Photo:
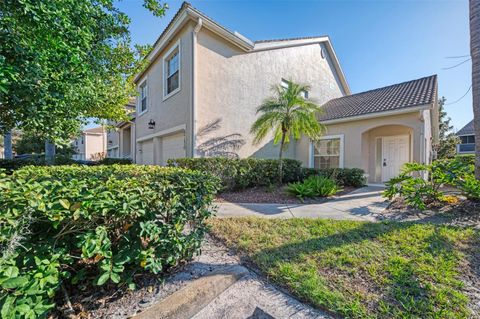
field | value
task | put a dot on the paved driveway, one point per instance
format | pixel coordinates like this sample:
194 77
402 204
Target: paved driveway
361 204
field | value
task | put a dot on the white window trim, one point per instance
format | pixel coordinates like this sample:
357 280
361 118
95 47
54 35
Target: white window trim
164 60
139 100
311 163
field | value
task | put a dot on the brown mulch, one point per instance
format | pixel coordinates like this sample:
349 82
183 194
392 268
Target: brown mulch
464 213
275 195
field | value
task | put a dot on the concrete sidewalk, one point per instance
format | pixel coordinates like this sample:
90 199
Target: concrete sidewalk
362 204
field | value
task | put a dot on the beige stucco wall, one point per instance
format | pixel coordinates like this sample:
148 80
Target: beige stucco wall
95 144
176 110
112 141
359 139
232 83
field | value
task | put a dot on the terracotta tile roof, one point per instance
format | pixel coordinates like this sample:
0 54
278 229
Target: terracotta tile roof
398 96
467 129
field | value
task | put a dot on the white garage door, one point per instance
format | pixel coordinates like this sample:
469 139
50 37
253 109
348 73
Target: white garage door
147 152
173 146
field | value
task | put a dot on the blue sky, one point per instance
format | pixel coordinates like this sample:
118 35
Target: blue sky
378 43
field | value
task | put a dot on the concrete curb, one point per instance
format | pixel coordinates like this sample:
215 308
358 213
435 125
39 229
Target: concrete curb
188 301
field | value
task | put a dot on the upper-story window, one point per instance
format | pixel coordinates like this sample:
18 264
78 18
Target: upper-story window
468 139
172 71
284 85
143 97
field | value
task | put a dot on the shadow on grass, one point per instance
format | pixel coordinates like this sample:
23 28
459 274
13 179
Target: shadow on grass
411 285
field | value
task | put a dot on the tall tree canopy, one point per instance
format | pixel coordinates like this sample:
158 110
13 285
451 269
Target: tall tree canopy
448 141
63 61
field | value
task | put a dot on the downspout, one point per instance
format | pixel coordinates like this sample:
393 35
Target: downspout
194 87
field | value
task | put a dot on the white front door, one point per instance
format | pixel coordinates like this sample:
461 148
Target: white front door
395 153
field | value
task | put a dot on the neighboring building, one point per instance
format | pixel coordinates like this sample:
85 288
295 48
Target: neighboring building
467 139
121 138
91 145
204 83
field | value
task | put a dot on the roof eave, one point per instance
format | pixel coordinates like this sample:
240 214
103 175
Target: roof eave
188 13
404 110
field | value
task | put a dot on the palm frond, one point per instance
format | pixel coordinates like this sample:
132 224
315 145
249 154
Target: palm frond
288 111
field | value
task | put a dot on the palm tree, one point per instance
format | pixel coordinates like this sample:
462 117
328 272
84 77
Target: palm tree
475 55
288 114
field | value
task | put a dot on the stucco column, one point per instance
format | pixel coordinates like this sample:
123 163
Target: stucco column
157 151
7 140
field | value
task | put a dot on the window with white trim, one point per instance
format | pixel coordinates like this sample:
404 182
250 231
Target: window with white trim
143 97
172 70
327 152
284 84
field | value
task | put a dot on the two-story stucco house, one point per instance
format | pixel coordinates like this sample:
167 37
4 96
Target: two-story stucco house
199 94
467 139
91 144
121 135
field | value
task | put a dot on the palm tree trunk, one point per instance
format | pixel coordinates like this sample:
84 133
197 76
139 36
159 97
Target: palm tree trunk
475 55
280 158
7 141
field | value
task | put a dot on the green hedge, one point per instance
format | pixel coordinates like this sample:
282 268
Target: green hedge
343 176
467 159
112 161
250 172
242 173
11 165
94 225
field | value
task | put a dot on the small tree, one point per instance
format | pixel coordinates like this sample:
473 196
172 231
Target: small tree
447 146
63 62
288 114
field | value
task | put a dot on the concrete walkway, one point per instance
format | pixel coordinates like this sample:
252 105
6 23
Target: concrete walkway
362 204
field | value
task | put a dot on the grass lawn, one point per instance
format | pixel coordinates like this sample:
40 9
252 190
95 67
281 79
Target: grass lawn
359 269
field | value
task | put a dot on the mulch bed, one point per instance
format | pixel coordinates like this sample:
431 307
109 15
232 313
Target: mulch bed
463 213
276 195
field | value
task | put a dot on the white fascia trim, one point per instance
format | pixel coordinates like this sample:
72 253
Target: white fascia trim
182 18
240 41
152 56
168 131
375 115
302 42
311 161
164 60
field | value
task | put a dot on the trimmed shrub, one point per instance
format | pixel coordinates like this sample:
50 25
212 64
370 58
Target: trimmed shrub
343 176
242 173
467 159
314 186
94 225
112 161
11 165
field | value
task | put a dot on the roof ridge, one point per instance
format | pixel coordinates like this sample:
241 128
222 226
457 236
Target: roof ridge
388 86
290 39
407 94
